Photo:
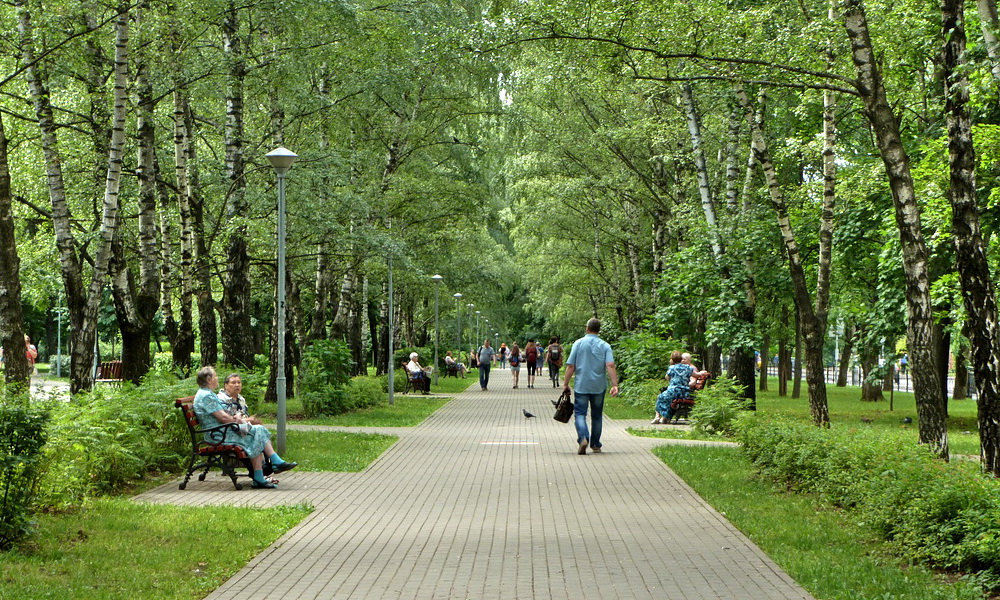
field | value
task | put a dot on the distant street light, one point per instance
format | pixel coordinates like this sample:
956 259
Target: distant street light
437 280
281 159
458 316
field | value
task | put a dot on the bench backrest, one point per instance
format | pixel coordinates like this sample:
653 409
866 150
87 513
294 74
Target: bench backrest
187 409
699 381
111 369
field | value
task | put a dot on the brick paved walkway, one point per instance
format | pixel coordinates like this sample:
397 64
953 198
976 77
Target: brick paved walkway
478 502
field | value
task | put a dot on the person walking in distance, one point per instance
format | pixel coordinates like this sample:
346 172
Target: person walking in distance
554 356
592 364
530 358
485 359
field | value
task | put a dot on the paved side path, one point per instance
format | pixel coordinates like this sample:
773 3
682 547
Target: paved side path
479 502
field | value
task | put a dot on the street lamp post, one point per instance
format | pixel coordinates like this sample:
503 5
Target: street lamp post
458 316
437 280
471 306
281 159
477 324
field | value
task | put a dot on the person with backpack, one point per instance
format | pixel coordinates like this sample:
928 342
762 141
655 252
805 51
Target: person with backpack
531 356
554 356
515 362
485 357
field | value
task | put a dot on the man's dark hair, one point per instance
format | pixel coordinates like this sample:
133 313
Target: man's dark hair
594 326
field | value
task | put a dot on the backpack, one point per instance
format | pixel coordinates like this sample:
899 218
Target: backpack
555 353
515 359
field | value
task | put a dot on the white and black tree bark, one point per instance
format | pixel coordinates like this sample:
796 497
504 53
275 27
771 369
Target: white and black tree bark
920 317
970 249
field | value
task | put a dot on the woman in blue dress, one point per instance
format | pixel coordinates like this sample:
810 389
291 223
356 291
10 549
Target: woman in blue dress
254 439
679 375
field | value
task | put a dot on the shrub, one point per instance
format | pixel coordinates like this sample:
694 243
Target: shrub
946 515
104 440
642 392
323 376
717 407
22 436
365 392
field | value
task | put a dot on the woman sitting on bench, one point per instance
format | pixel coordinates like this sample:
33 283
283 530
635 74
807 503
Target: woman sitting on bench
453 364
254 439
418 374
679 375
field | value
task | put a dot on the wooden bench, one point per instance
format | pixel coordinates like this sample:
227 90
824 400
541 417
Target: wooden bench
414 382
682 406
451 370
109 372
228 457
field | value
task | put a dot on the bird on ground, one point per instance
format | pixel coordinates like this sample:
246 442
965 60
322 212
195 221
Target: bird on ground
906 420
527 415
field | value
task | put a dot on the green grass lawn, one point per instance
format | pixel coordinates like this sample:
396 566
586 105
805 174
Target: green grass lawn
846 410
819 546
335 451
115 548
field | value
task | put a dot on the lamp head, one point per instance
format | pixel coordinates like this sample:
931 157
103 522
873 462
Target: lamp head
437 278
281 159
457 295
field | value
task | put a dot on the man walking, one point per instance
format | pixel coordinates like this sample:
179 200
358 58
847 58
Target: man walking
593 363
485 358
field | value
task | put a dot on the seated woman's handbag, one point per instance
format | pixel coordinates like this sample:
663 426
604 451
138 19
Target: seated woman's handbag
564 407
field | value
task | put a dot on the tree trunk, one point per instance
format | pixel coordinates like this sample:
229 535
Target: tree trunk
201 287
850 336
765 353
82 302
797 361
990 25
782 360
977 285
237 334
741 368
961 389
704 189
871 388
933 429
135 306
317 327
17 372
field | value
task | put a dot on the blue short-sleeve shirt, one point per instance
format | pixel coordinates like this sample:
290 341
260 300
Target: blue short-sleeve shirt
589 357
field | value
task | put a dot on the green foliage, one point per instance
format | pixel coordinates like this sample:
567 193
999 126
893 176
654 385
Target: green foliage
365 392
164 362
323 378
643 355
717 406
22 436
102 441
641 392
942 514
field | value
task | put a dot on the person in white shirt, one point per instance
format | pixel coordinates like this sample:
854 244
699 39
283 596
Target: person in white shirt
418 373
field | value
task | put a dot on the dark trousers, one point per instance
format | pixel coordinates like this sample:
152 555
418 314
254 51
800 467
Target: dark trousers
484 375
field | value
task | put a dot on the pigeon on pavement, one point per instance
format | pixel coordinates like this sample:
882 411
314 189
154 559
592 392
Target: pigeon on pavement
527 415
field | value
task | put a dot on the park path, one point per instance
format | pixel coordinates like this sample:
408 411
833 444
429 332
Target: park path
480 503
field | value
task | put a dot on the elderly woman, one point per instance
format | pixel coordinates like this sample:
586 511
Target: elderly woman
232 396
418 372
679 375
254 439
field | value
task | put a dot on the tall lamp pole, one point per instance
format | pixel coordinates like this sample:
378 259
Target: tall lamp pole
477 324
458 316
471 306
437 280
281 159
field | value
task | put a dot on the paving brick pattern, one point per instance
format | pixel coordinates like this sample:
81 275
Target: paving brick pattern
480 503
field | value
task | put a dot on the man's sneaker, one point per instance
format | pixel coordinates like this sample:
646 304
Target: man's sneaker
596 449
583 447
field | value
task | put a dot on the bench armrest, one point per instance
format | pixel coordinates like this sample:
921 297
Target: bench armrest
217 434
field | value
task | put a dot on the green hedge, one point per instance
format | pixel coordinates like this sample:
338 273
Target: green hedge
944 514
22 436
